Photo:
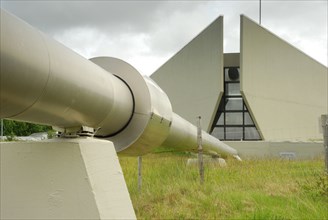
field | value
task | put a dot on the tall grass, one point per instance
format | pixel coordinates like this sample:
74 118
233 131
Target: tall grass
252 189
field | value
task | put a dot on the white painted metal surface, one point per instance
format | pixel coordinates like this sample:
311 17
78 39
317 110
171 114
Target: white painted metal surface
70 92
44 82
152 116
183 137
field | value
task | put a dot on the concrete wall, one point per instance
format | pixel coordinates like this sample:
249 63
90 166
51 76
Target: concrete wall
285 90
286 150
193 78
231 59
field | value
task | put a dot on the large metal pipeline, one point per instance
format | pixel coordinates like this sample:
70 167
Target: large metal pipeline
44 82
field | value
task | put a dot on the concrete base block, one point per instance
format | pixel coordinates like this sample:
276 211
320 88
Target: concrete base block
63 179
207 161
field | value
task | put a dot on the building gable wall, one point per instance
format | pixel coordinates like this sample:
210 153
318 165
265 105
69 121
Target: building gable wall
193 78
285 90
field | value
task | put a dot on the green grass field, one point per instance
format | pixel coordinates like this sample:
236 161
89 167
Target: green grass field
252 189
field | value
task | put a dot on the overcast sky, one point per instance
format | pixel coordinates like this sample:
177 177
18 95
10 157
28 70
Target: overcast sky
147 33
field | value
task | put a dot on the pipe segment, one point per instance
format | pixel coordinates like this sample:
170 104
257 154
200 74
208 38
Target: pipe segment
44 82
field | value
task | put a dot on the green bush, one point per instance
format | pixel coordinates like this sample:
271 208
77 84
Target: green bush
15 128
51 134
11 137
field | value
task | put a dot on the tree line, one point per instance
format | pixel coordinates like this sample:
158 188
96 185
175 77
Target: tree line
17 128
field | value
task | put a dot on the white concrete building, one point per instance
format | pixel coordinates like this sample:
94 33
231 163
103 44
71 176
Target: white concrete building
269 92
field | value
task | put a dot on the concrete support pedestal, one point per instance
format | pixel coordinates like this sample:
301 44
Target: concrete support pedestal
63 179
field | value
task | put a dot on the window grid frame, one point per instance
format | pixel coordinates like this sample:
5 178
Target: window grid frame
223 112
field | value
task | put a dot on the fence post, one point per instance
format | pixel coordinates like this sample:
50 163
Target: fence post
139 173
324 123
200 150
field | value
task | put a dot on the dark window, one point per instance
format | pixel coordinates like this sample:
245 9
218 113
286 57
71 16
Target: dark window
234 104
234 133
233 88
234 118
251 133
233 121
218 132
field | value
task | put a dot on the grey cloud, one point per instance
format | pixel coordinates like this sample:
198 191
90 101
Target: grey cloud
128 16
141 30
53 16
114 19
